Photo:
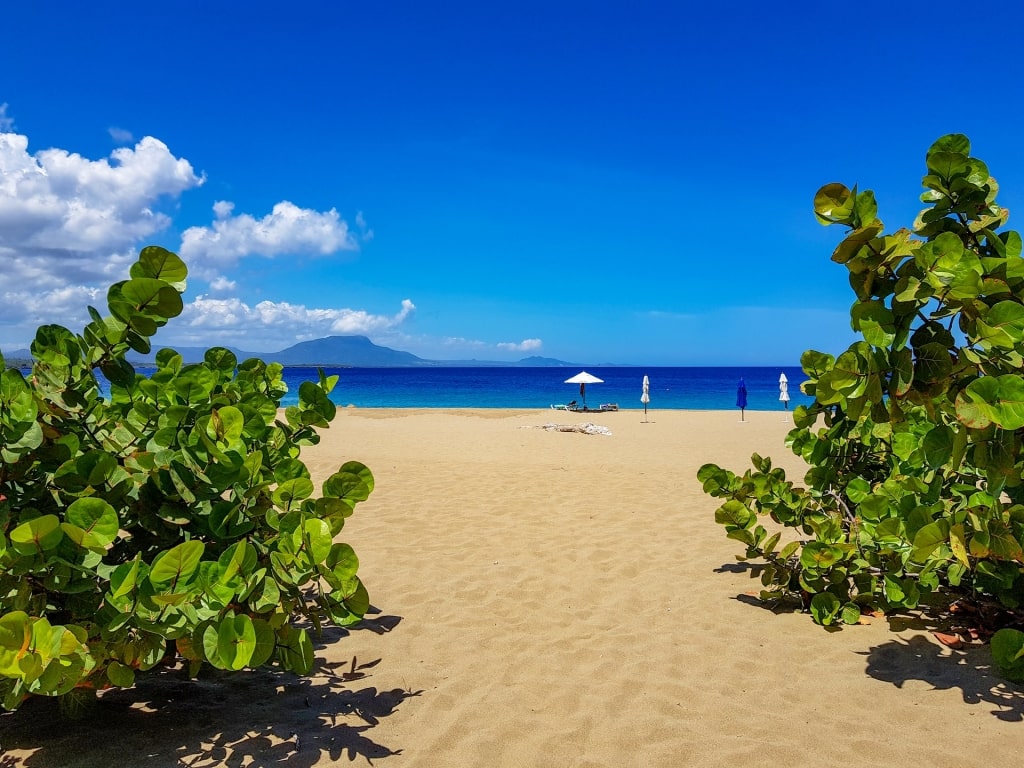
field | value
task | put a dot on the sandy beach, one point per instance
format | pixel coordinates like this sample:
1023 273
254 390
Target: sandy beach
552 598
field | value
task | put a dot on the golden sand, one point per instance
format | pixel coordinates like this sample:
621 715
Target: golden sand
552 598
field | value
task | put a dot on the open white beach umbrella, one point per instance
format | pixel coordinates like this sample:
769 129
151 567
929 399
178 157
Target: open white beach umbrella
645 396
784 390
583 378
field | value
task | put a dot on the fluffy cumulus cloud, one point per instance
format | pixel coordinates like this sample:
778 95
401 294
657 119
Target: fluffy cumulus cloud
526 345
69 224
210 320
287 229
77 209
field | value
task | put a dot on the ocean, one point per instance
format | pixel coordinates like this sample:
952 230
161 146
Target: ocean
497 387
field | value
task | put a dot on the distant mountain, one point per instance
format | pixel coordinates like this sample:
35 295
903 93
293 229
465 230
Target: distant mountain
542 362
343 350
332 351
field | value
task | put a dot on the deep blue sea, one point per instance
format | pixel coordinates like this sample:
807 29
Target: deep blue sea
443 387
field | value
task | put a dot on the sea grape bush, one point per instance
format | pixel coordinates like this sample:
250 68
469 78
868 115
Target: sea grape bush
173 519
914 438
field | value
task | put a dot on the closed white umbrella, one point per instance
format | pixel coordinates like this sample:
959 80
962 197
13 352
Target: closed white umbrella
583 378
645 396
784 393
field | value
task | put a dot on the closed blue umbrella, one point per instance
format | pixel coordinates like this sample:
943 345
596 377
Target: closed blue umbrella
741 397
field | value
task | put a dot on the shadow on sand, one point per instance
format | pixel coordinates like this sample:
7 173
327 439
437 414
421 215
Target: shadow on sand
917 658
253 718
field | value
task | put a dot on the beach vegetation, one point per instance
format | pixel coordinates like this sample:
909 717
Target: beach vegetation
914 498
169 520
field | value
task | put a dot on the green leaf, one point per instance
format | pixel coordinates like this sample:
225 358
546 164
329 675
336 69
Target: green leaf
152 298
353 482
295 650
938 446
38 535
851 613
236 641
176 565
226 424
125 577
928 538
947 165
992 400
875 321
1002 543
221 359
824 608
933 363
818 555
290 492
15 639
313 537
120 675
93 523
834 203
158 263
734 514
1002 326
263 648
1008 652
956 143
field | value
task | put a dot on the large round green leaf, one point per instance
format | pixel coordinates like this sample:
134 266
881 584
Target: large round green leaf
15 636
293 491
221 359
834 203
151 297
353 481
295 650
825 607
1002 326
161 264
236 641
15 397
875 321
313 537
91 523
177 564
194 384
226 424
37 535
992 400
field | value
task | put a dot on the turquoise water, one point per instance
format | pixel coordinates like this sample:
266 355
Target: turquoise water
671 388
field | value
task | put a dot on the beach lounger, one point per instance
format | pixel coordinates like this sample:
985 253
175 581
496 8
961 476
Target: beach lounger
571 406
609 406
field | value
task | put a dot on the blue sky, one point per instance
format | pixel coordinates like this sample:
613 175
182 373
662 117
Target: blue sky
590 181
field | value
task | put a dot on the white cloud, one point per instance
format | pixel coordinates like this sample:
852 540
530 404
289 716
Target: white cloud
526 345
457 342
65 219
287 229
365 232
221 284
65 305
69 226
207 320
120 135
